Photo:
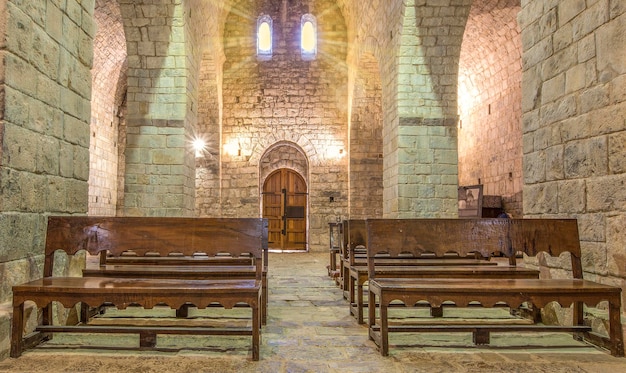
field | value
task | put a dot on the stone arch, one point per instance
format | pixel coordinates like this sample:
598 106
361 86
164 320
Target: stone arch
489 97
370 48
428 81
107 109
147 100
305 146
283 154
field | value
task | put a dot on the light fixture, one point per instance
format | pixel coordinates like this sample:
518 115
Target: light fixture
335 152
199 145
233 148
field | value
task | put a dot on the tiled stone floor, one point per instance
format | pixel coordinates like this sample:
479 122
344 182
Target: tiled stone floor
309 330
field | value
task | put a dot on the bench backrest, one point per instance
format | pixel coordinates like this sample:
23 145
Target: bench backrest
161 235
415 237
354 235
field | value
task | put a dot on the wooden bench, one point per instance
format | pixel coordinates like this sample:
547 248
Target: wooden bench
429 264
506 236
197 266
117 235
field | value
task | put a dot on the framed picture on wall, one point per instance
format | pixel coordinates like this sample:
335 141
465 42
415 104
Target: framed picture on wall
471 201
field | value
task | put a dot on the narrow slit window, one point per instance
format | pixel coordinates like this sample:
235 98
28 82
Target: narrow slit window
308 37
264 37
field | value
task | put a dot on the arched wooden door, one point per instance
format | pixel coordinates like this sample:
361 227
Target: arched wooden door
285 206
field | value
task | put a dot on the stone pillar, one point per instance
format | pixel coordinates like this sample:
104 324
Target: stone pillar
45 90
421 175
427 168
160 164
574 126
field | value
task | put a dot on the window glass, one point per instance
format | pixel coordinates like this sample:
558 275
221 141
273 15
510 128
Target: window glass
308 37
264 38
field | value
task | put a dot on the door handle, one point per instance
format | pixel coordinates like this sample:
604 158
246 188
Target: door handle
284 192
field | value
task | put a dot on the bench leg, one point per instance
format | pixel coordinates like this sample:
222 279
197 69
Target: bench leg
436 311
256 333
17 331
578 319
359 303
183 311
351 285
85 313
481 337
46 313
384 329
578 314
147 339
616 334
264 296
345 273
371 311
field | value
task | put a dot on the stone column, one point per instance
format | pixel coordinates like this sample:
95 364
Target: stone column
160 164
574 126
421 175
45 90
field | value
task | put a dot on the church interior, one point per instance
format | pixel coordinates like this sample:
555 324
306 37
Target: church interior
311 112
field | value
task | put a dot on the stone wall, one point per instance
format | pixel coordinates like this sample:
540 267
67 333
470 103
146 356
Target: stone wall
490 74
45 106
366 142
209 120
285 99
208 186
574 125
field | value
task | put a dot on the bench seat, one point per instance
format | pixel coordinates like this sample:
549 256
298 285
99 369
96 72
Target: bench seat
430 268
177 260
122 292
183 271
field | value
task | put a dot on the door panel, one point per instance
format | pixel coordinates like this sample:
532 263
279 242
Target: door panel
285 206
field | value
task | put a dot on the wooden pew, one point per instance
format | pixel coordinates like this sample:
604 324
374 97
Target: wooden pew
195 267
433 263
506 236
116 235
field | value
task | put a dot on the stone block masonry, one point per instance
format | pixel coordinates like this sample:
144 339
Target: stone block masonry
45 156
44 166
285 100
574 123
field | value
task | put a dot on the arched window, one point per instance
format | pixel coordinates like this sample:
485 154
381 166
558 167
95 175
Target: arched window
308 37
264 38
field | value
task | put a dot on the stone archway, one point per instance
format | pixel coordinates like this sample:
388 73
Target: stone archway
283 170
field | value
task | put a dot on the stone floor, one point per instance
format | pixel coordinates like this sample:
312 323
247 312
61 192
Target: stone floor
309 330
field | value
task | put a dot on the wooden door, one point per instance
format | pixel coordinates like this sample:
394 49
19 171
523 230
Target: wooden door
285 206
